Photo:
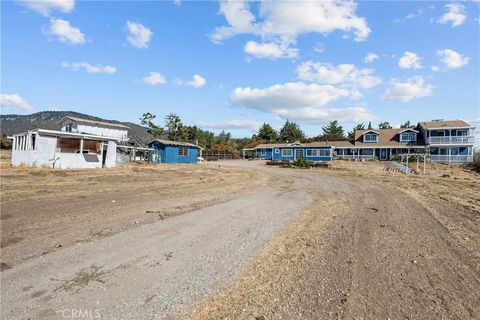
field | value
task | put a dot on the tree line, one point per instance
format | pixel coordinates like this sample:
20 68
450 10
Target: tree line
175 130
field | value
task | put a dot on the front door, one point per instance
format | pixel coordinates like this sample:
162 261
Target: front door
383 154
298 153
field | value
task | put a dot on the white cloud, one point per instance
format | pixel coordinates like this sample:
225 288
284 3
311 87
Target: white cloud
435 68
371 57
300 102
14 100
231 124
455 14
346 74
44 7
65 32
154 78
138 35
451 59
410 60
270 50
319 48
411 88
286 20
75 66
197 81
177 2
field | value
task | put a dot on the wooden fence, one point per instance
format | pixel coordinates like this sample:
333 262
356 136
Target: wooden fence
214 156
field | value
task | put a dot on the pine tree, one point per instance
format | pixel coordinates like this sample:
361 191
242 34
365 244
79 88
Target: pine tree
333 131
291 132
267 133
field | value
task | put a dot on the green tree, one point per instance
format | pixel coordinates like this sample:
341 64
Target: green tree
370 125
406 125
267 133
176 130
384 125
291 132
154 130
333 131
351 134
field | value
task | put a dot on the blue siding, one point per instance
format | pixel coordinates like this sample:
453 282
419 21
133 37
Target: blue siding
264 153
277 154
169 154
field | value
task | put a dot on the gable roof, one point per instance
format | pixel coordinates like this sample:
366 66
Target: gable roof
174 143
94 122
386 138
440 124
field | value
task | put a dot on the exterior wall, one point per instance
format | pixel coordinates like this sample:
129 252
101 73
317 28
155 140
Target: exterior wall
277 154
46 154
120 134
111 156
169 154
266 156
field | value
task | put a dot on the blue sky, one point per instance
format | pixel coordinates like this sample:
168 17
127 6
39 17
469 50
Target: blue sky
234 65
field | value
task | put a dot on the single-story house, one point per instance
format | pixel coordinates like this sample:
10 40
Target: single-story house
167 151
313 151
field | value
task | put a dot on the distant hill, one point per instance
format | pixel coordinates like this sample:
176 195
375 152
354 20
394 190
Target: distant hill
14 123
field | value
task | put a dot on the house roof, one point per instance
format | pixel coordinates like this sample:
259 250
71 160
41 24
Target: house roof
98 123
386 138
440 124
174 143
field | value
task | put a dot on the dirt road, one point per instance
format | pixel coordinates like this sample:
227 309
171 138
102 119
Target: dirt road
311 245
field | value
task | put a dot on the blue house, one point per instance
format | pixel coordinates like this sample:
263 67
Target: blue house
166 151
313 151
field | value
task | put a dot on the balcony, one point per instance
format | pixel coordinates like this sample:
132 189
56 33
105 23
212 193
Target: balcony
451 158
451 140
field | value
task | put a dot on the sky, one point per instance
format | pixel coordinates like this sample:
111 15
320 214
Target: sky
232 65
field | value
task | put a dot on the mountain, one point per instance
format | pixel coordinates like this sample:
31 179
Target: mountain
14 123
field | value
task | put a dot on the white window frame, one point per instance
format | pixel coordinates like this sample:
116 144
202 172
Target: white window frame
287 155
465 132
312 153
408 133
369 135
326 153
263 152
180 154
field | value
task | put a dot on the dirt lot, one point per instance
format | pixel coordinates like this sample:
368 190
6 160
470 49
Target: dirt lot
43 210
255 242
380 246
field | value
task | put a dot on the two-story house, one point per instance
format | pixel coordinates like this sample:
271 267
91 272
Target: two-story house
448 141
80 143
445 141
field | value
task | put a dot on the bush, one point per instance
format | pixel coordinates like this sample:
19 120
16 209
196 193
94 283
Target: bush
301 163
475 165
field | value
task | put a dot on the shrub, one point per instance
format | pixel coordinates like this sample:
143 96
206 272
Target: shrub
302 163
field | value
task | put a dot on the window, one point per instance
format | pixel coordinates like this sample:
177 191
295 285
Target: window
367 152
408 136
312 152
92 146
287 152
68 127
454 151
324 152
370 137
68 145
264 152
183 151
462 133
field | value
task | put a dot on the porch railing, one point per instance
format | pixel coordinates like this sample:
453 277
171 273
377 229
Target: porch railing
451 158
451 140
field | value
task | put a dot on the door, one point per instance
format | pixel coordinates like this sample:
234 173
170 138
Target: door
298 153
383 154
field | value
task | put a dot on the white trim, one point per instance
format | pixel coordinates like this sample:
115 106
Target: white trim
408 130
369 132
283 155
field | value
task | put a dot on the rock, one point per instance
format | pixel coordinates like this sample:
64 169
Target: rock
58 245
